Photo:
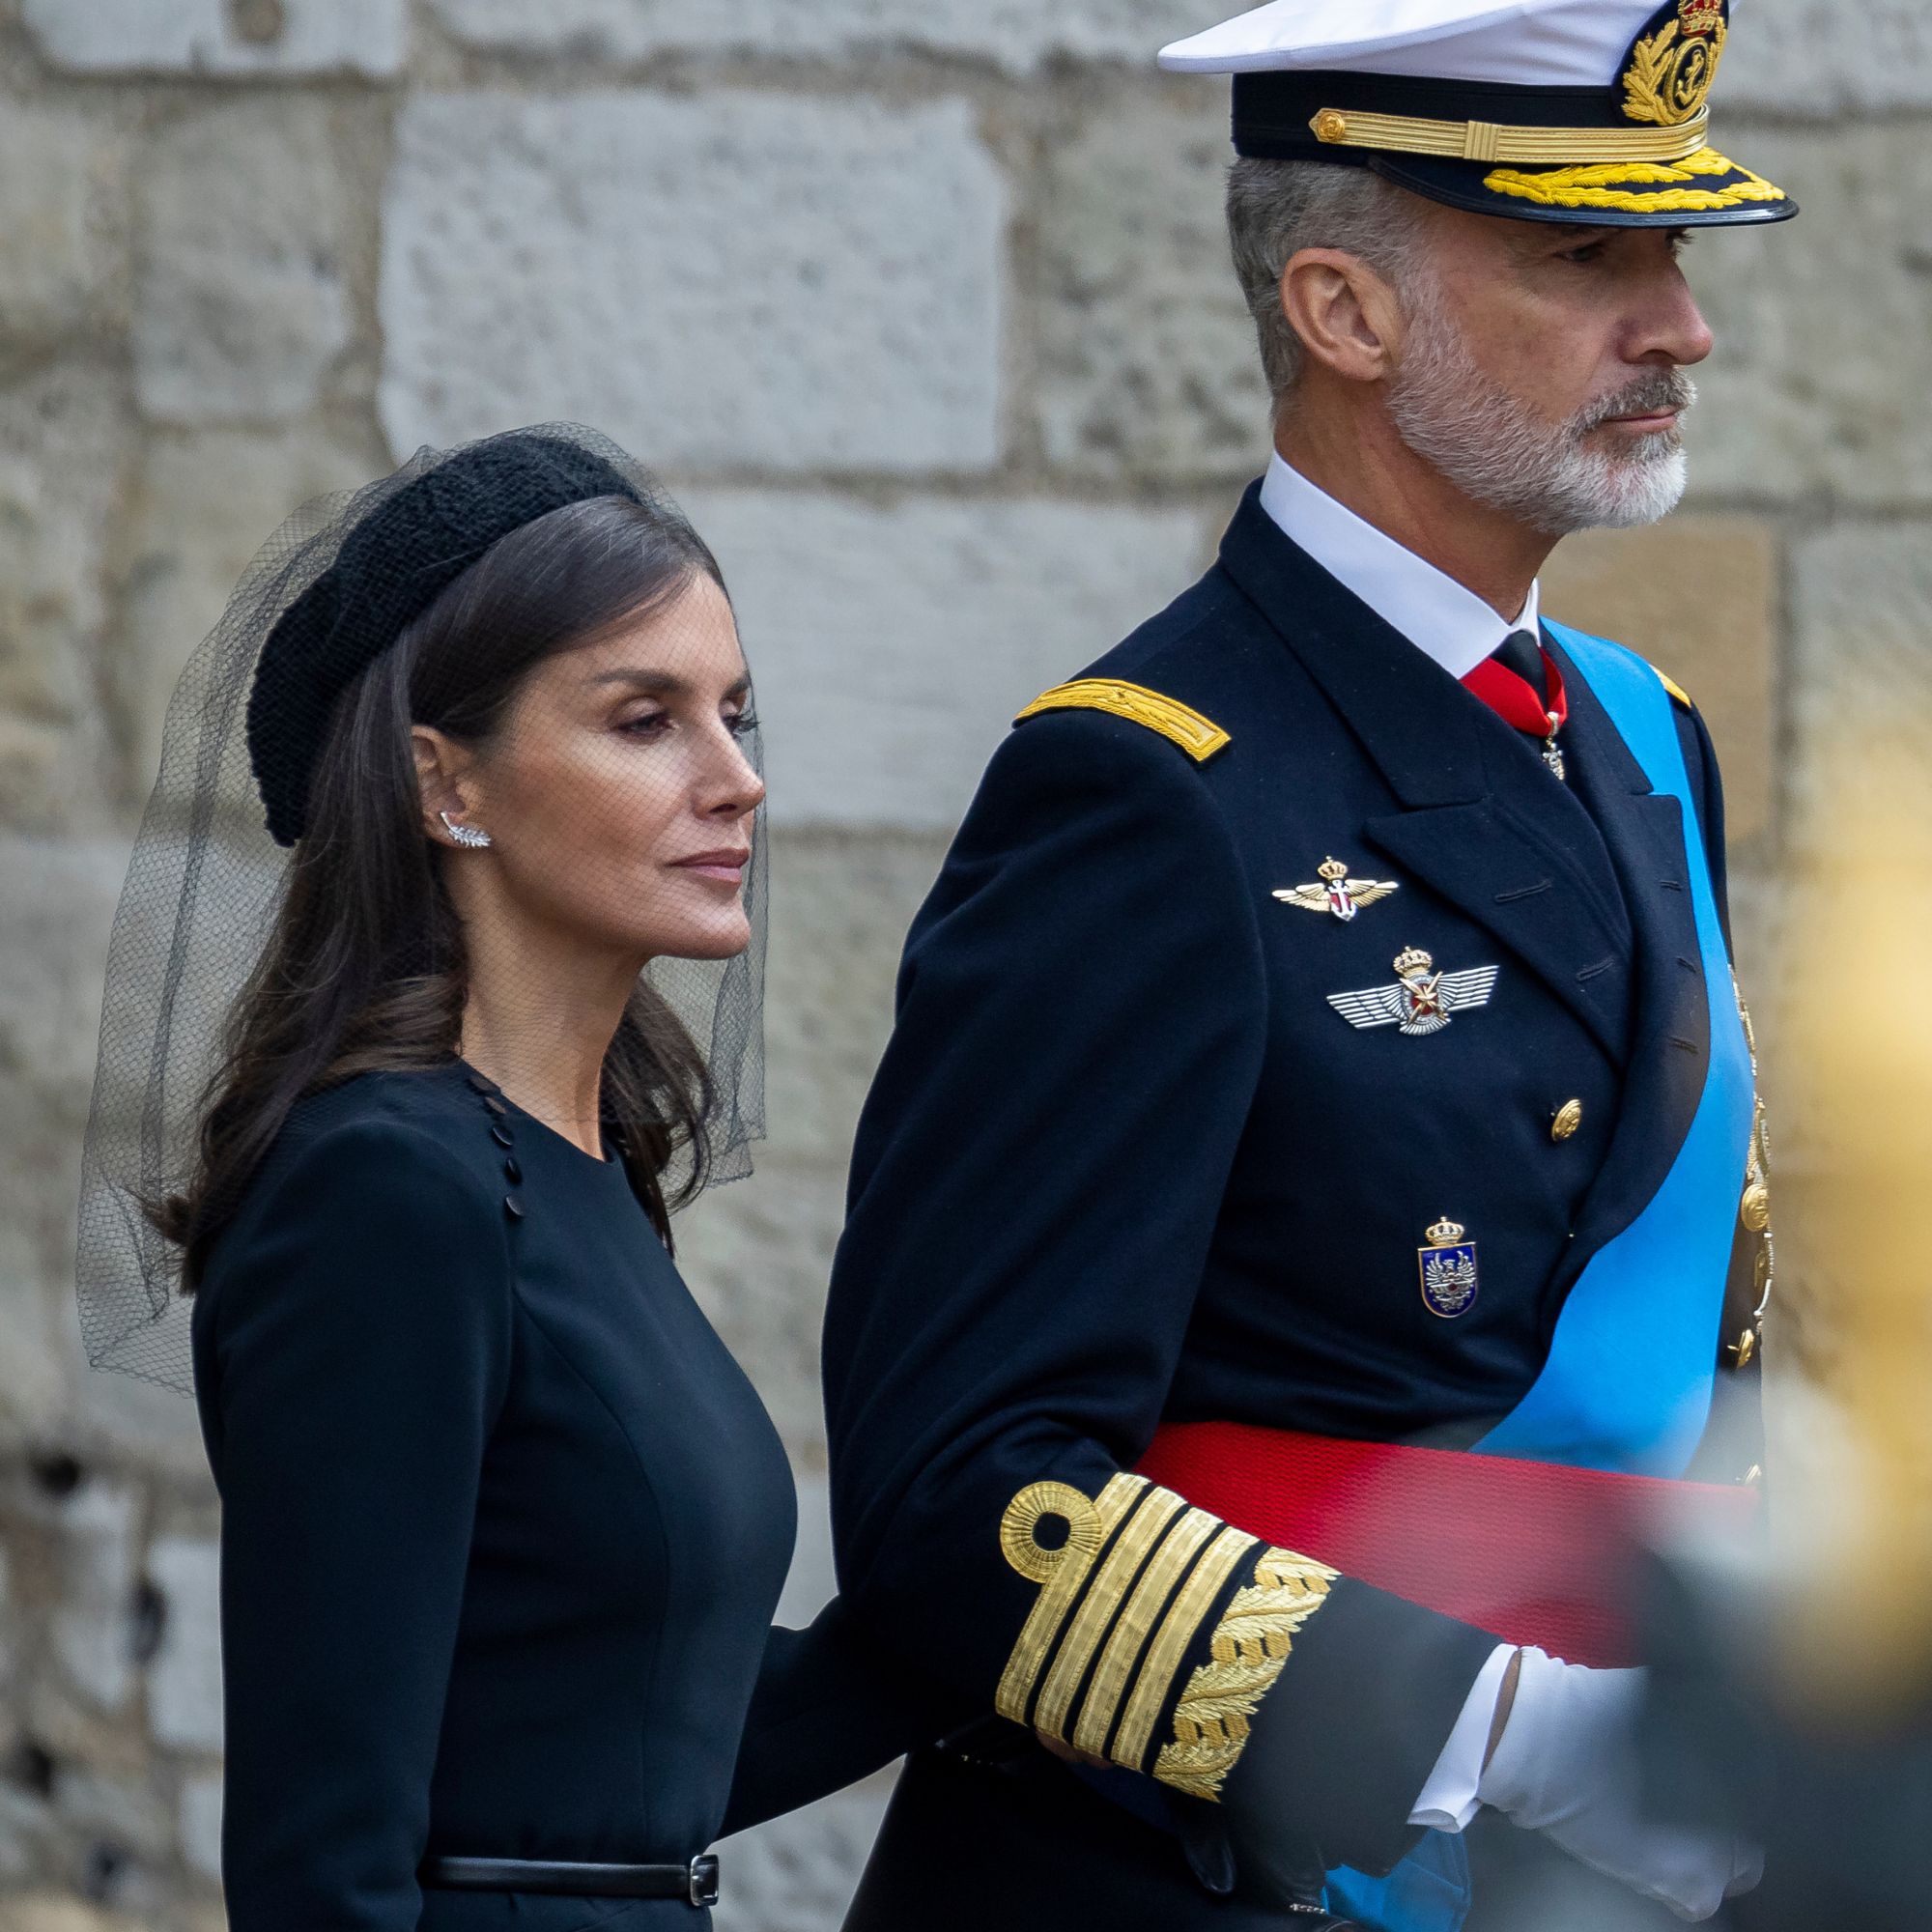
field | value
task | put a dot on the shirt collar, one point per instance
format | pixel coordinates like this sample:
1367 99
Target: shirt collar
1442 618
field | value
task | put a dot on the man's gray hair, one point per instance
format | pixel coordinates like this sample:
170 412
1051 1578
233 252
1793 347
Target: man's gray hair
1276 209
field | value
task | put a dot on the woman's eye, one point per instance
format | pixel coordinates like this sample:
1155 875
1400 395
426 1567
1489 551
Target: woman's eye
647 726
741 726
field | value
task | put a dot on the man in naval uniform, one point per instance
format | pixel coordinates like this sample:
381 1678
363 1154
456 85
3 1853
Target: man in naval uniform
1315 1182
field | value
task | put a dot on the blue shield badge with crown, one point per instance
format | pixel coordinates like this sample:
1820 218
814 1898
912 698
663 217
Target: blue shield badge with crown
1448 1265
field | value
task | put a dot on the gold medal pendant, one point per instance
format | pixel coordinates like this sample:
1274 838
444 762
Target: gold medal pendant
1448 1270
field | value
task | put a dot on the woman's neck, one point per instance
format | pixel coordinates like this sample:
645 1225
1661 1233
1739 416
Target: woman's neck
541 1029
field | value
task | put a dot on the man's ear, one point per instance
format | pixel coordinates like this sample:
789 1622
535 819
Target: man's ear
1347 315
445 779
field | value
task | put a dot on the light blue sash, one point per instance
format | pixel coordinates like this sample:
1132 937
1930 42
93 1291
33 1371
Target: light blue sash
1627 1382
1629 1378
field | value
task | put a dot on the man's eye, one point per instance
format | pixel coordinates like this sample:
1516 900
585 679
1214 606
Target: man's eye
1590 251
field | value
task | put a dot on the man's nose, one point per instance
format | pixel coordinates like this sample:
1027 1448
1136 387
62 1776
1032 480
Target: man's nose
1675 330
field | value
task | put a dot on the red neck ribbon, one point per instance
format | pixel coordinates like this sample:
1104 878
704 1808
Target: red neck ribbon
1514 699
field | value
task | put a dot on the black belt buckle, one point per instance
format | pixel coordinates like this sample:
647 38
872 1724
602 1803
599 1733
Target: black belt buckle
704 1880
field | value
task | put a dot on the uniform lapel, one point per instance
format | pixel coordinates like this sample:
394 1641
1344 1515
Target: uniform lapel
1670 1029
1474 802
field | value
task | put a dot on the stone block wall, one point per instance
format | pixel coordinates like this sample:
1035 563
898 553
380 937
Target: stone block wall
922 307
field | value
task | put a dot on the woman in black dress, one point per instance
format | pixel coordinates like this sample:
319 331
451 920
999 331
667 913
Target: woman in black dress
504 1524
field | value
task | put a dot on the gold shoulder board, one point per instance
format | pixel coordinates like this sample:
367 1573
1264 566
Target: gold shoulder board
1198 736
1676 689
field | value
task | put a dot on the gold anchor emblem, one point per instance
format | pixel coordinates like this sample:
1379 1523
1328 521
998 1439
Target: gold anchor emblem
1336 892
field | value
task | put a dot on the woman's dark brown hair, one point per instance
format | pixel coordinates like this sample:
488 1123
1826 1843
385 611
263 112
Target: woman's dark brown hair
365 968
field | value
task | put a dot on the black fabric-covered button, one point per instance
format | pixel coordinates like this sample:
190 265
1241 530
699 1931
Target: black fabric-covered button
502 1136
481 1085
495 1105
513 1207
512 1173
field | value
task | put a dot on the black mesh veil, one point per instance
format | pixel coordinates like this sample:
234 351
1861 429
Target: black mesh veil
211 871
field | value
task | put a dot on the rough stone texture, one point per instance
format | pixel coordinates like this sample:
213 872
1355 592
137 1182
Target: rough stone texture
1819 58
1015 33
1863 654
61 456
840 905
893 645
185 1679
204 504
240 38
56 899
1698 596
1148 359
201 1825
1824 351
61 177
244 302
612 258
797 1874
96 1558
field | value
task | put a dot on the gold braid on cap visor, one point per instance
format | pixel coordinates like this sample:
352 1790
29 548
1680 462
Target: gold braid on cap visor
1493 141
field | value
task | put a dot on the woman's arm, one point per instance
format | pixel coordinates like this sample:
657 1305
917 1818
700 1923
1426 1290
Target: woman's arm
359 1353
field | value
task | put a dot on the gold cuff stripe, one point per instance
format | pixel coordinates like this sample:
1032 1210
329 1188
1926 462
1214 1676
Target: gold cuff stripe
1642 189
1060 1573
1495 141
1177 1630
1101 1599
1246 1653
1198 736
1130 1634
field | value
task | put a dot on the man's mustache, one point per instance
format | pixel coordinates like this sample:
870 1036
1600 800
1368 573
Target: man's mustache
1649 395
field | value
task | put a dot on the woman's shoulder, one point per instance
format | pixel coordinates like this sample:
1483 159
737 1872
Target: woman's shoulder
413 1144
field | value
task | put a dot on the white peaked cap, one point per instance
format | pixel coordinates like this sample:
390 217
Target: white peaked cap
1522 42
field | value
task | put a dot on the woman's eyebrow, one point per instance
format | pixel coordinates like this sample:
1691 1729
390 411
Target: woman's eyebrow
661 683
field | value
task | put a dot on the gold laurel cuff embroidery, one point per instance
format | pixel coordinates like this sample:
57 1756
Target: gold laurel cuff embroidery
1177 1630
1102 1702
1198 736
1099 1601
1060 1572
1247 1653
1617 188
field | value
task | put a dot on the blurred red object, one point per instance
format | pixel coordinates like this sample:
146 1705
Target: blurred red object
1535 1552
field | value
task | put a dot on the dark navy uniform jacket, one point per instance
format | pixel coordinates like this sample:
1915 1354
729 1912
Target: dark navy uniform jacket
1124 1164
503 1525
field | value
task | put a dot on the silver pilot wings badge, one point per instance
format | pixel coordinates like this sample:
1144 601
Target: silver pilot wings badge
1419 999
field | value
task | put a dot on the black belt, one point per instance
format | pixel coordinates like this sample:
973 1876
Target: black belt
695 1883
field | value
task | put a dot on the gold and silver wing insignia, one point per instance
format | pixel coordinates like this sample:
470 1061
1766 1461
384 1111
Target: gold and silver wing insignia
1458 992
1313 898
1366 892
1372 1006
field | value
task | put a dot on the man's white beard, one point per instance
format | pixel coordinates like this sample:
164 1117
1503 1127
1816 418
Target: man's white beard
1499 452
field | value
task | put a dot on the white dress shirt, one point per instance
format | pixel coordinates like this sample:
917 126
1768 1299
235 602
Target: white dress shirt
1449 622
1440 617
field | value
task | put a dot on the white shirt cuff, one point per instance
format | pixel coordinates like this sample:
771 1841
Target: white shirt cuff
1448 1801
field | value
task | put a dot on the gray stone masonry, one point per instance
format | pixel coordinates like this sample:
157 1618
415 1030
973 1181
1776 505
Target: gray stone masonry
922 306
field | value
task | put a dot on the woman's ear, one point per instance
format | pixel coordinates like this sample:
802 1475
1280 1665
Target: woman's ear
1347 316
443 779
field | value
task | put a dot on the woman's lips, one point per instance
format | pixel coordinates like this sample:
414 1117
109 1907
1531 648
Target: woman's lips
727 865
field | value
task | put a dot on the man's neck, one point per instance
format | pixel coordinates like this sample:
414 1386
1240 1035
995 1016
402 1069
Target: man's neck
1367 468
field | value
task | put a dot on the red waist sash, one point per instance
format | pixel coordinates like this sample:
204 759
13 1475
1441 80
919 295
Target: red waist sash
1534 1553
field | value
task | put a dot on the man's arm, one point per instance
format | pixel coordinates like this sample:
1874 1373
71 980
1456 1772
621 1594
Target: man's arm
1035 1184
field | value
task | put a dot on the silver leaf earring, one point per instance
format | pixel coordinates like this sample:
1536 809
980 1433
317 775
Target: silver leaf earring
464 835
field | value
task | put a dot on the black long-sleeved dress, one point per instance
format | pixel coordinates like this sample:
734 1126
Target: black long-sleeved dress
503 1527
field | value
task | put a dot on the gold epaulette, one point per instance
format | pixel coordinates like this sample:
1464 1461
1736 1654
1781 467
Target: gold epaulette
1675 688
1198 736
1138 1581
